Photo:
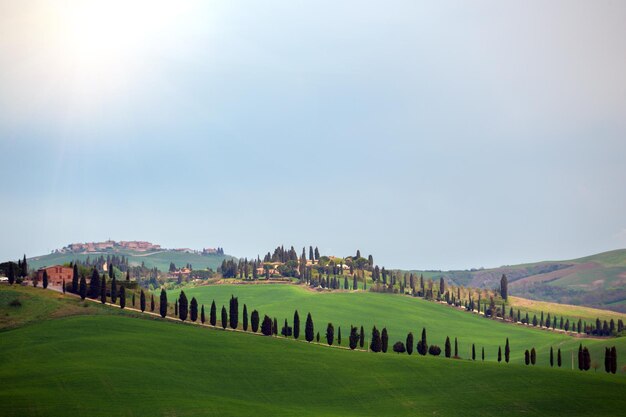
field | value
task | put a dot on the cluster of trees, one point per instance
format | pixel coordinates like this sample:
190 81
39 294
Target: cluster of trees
15 272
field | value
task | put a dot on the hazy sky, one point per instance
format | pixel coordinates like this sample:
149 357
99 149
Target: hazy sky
431 135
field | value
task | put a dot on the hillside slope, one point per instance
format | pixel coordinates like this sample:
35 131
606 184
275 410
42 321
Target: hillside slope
107 365
595 281
159 259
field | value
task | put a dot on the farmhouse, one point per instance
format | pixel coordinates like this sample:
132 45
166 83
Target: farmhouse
56 274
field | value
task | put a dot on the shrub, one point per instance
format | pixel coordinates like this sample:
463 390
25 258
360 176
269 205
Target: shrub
434 350
398 347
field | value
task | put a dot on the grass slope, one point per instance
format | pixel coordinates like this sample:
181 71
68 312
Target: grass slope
160 259
400 314
119 366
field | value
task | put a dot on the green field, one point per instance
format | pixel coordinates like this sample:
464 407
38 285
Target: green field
160 259
117 365
401 314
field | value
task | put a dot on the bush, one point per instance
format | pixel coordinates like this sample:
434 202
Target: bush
398 347
15 303
434 350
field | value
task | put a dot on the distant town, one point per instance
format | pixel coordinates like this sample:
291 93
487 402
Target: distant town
132 245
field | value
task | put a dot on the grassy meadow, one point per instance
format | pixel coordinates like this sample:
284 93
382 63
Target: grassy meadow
400 315
118 365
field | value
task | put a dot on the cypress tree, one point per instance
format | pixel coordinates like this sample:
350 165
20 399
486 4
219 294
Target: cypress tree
330 334
422 345
558 358
580 358
162 303
152 303
375 344
122 297
275 327
133 299
94 284
113 290
183 306
339 335
447 347
254 321
318 337
409 344
526 357
103 291
45 279
193 309
234 312
225 318
456 348
533 356
551 357
587 359
504 287
483 353
499 354
63 286
245 318
354 337
11 273
362 338
607 360
473 352
75 280
142 301
308 330
83 287
384 340
613 360
507 351
202 316
266 326
176 307
296 325
213 315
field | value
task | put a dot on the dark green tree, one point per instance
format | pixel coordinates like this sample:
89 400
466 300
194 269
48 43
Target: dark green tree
354 337
45 279
83 287
526 357
362 338
330 334
75 280
456 348
11 273
162 303
558 358
193 309
122 297
296 325
422 345
113 290
63 286
245 318
398 347
142 301
103 290
275 327
504 287
384 339
234 312
183 306
266 326
507 351
308 330
473 352
94 284
254 321
202 316
447 348
410 342
613 360
225 318
533 356
483 353
339 335
133 297
499 354
213 315
152 303
376 343
551 357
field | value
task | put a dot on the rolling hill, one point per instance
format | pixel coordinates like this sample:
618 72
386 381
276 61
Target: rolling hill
595 281
104 362
160 259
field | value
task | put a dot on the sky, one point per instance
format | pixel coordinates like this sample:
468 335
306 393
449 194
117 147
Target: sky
435 135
